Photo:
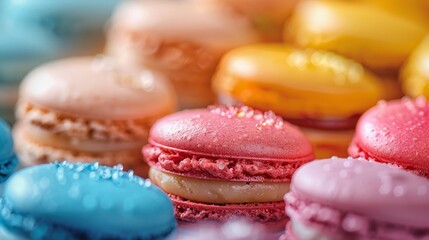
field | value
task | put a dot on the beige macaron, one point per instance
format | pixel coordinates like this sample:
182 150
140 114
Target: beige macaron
88 109
181 39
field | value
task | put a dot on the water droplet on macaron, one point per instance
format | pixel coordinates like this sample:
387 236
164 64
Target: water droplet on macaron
399 191
384 189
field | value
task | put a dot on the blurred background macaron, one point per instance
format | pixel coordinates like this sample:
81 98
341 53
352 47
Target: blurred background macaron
415 73
78 25
267 17
226 161
356 199
181 39
88 109
381 40
395 132
20 51
319 91
83 201
8 159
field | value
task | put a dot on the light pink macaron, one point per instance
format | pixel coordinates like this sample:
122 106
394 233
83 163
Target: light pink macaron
357 199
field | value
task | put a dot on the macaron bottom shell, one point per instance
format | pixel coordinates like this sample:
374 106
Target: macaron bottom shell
32 152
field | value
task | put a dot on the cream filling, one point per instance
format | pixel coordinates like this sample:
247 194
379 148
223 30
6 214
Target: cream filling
301 231
219 192
42 137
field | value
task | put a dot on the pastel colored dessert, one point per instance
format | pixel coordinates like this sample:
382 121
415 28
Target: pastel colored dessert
89 109
77 25
268 17
181 39
356 199
234 229
396 133
78 201
20 52
226 161
8 160
381 40
414 75
317 90
414 9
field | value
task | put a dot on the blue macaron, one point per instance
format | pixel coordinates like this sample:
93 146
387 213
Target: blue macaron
8 160
83 201
75 23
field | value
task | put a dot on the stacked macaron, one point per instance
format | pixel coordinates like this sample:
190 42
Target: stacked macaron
317 90
356 199
182 39
88 109
83 201
226 161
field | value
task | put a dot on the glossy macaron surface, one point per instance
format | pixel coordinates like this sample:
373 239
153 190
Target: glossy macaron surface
396 132
231 132
379 39
296 83
95 88
88 198
372 190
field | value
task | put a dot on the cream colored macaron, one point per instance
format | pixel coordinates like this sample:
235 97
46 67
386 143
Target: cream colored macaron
181 39
88 109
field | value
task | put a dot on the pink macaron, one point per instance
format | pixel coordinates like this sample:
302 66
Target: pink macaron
357 199
226 161
395 132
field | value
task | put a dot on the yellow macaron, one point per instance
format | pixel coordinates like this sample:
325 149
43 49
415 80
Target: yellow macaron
320 91
415 74
379 39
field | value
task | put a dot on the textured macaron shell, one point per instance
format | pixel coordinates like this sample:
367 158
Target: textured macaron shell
208 26
396 132
94 88
91 199
231 133
373 190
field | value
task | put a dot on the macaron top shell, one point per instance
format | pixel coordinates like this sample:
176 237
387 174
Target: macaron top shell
89 198
377 38
231 132
183 20
297 83
373 190
396 132
96 89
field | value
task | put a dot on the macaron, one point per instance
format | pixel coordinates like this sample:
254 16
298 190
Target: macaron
320 91
397 133
89 109
268 17
356 199
20 52
83 201
8 160
379 39
77 25
181 39
415 74
226 161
